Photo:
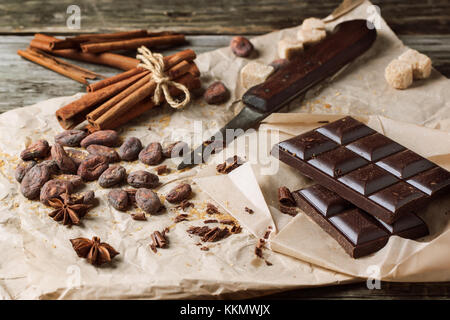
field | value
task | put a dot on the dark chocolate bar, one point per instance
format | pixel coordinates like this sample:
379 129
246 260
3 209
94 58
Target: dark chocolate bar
356 231
366 168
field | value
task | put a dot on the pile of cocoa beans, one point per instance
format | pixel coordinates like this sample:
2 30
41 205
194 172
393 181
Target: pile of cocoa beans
47 172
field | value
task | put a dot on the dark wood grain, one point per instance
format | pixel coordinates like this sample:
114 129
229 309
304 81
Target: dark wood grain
388 290
208 16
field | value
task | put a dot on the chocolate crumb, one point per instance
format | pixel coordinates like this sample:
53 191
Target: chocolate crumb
181 217
159 240
268 263
323 121
285 197
258 252
209 235
160 170
248 210
204 248
210 221
184 205
211 209
139 216
227 221
292 211
236 229
229 165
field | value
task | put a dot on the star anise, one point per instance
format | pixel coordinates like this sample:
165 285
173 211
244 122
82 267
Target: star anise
68 210
94 251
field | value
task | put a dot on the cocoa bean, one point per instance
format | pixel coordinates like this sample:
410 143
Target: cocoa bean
179 193
241 46
148 200
77 156
70 138
118 199
216 93
112 176
88 197
23 168
75 180
142 179
278 63
109 153
108 138
129 150
65 163
176 149
34 179
152 154
54 188
52 166
160 170
91 168
38 150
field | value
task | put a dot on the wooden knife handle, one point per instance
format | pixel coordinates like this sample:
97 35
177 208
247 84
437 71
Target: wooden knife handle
348 40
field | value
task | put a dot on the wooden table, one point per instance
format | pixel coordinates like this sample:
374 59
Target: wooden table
422 25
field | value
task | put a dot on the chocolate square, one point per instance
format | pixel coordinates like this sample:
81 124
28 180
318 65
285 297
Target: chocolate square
345 130
408 221
398 196
368 179
325 201
308 145
432 181
337 162
375 147
357 227
405 164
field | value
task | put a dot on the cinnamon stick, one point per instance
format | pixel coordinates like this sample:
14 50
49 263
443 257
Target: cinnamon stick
187 79
169 40
175 72
109 81
40 44
98 112
74 113
114 35
185 55
107 58
62 67
125 105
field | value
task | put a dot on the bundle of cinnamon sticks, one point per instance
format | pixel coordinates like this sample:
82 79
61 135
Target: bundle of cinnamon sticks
94 48
114 101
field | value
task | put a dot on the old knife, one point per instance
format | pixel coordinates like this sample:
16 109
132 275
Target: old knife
347 41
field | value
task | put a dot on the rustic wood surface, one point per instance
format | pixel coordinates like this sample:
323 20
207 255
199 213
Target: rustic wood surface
422 25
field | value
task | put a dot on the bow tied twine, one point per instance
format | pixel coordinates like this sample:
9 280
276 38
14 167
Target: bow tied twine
154 62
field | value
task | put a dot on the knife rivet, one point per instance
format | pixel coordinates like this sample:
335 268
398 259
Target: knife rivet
266 90
286 76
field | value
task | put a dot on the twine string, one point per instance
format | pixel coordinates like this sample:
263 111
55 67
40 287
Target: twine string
154 62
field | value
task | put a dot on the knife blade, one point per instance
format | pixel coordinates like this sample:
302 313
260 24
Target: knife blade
347 41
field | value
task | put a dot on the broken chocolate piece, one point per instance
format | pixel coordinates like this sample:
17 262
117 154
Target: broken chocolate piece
181 217
285 197
229 165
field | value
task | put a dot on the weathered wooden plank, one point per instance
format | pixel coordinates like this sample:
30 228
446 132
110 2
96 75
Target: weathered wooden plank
389 290
24 83
209 17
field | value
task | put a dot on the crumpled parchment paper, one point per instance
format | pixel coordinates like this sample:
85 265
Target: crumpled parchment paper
38 261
